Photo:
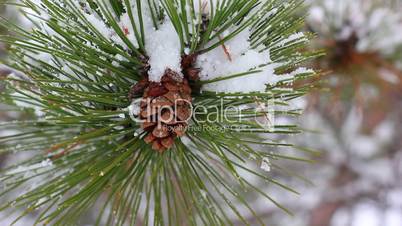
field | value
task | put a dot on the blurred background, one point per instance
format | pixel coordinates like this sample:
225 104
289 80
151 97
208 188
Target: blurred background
354 118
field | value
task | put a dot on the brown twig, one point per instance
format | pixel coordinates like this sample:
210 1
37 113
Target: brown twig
226 50
65 151
204 6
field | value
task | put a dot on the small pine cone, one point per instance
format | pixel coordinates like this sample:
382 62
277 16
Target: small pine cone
165 109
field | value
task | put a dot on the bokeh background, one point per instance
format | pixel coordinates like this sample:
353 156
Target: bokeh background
354 117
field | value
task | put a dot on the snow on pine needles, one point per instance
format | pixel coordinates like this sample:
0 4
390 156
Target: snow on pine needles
378 28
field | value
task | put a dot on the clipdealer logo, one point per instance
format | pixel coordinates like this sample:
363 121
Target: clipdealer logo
256 116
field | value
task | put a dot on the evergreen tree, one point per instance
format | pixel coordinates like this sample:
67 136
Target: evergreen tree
99 76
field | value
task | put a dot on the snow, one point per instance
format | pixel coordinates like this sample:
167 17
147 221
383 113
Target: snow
163 48
266 164
99 25
46 163
366 215
395 198
389 76
134 108
393 217
377 27
20 101
215 64
299 37
29 169
341 218
7 219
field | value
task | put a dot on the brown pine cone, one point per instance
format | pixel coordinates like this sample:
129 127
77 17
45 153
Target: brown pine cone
166 105
165 109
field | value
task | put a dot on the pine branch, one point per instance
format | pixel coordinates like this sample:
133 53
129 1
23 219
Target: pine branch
81 61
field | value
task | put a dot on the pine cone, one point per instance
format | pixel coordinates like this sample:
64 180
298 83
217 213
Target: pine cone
166 105
165 109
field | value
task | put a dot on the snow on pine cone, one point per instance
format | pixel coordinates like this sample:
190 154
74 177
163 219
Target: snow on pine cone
166 106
